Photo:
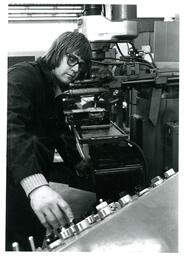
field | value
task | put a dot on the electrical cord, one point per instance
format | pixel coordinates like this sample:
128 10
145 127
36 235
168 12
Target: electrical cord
130 142
152 60
145 63
139 149
125 57
151 65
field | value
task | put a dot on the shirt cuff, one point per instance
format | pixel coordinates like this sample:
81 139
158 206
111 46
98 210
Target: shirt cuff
32 182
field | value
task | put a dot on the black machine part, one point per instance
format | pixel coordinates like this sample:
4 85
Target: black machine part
117 164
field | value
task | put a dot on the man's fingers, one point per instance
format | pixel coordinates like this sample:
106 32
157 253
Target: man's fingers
66 210
58 215
43 220
51 218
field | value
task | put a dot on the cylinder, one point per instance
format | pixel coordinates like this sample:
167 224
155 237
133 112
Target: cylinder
104 212
92 9
156 181
73 229
125 200
85 91
90 219
82 225
66 233
117 12
169 173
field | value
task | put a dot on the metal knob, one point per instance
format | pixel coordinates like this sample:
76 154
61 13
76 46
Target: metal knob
112 206
91 219
104 212
169 173
73 229
55 244
97 217
143 191
102 205
82 225
118 205
66 233
15 246
156 181
103 209
125 200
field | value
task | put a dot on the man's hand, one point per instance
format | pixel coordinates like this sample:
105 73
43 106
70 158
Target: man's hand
51 209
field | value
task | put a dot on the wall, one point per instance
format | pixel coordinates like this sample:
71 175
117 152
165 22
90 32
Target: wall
28 37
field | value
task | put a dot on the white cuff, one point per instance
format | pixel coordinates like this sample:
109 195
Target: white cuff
34 181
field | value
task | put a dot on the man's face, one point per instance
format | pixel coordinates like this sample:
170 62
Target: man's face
69 68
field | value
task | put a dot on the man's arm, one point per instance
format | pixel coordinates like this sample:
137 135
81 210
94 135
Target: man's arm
48 205
22 160
23 149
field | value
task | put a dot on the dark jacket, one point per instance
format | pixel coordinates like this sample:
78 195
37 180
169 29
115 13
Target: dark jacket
36 123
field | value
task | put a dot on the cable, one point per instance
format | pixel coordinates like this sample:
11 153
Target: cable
143 157
125 57
133 47
128 47
152 65
152 59
145 63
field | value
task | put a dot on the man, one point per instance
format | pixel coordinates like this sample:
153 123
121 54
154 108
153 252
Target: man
36 127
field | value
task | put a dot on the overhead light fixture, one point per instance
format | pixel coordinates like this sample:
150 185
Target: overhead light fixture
44 12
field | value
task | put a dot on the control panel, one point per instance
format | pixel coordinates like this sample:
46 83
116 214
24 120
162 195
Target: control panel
104 212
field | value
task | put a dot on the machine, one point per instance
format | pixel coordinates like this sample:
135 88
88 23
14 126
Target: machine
124 113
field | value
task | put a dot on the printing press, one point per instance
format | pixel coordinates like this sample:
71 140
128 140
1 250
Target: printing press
124 115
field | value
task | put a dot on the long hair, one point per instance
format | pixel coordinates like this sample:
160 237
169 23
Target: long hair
68 42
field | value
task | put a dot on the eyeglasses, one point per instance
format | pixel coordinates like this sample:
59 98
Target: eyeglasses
74 60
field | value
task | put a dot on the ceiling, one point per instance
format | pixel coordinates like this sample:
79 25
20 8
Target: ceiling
43 11
39 2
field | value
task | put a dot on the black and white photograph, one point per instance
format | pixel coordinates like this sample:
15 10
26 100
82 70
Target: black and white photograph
91 137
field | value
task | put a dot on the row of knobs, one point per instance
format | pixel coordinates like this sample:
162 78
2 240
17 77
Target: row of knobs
103 210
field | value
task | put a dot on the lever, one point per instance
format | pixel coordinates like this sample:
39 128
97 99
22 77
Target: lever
31 242
15 246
